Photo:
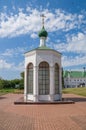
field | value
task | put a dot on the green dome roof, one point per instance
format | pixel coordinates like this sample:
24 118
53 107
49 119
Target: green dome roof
43 32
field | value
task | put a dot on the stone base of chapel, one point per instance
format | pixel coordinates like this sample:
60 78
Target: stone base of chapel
39 98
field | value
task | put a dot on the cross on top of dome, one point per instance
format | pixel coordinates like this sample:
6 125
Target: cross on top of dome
43 32
43 16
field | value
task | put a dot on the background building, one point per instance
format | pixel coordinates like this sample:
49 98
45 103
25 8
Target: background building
74 79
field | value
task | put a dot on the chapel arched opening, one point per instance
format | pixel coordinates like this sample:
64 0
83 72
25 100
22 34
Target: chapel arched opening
44 78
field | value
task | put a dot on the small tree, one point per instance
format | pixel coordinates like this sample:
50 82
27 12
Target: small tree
21 85
1 83
62 78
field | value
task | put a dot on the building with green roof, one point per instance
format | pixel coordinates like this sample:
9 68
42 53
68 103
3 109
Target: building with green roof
74 78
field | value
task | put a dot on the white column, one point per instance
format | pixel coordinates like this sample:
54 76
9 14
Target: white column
35 83
25 85
52 86
60 83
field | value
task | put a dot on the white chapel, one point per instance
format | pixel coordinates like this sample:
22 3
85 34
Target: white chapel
42 72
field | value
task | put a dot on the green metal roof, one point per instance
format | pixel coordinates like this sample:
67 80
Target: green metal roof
46 48
43 48
74 74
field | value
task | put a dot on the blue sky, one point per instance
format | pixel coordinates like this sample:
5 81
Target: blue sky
20 23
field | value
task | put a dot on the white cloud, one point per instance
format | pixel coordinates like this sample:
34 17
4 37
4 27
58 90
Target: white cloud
5 65
19 24
28 9
75 44
34 35
11 66
4 7
19 67
61 20
13 52
73 61
61 47
30 23
12 25
10 70
8 52
20 9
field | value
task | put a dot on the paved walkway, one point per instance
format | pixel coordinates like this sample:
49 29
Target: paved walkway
42 117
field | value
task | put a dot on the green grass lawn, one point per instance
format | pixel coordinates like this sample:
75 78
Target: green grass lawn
10 90
78 91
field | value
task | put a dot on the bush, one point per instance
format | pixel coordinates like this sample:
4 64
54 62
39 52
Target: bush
21 85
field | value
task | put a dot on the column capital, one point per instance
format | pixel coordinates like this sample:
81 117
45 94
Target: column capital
35 66
52 69
52 66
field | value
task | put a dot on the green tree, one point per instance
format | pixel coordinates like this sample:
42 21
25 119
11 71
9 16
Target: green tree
62 78
1 83
6 84
22 75
14 83
21 85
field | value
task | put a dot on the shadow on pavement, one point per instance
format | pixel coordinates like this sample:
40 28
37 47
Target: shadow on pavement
75 99
1 97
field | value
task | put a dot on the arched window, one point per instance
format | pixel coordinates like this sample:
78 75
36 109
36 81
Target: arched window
56 78
44 78
30 78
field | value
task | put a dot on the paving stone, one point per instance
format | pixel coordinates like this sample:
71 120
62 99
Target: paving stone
42 117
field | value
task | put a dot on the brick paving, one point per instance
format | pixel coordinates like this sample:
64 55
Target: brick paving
42 117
